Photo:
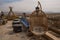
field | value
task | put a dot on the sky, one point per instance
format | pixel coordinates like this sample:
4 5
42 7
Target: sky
29 5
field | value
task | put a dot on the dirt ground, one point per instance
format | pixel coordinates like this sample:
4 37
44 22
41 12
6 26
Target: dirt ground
6 33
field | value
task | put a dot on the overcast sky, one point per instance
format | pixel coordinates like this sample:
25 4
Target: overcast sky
29 5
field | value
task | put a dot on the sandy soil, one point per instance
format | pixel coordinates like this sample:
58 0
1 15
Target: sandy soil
6 33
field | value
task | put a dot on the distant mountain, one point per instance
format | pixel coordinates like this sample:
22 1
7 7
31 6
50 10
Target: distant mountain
20 13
